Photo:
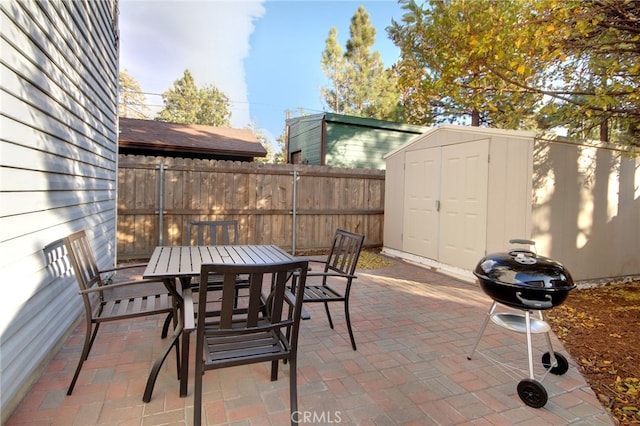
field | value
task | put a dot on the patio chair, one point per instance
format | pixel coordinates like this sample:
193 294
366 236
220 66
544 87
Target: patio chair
338 270
263 328
110 300
212 232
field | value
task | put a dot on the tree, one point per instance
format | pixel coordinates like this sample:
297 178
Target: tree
185 103
131 100
443 71
280 156
600 90
333 66
274 153
360 84
578 60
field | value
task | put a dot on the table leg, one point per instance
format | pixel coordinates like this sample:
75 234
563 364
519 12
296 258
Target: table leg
151 381
170 284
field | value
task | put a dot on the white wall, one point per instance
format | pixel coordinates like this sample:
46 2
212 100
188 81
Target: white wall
58 169
586 208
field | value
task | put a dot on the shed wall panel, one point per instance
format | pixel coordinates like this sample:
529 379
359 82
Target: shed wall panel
394 202
586 209
509 197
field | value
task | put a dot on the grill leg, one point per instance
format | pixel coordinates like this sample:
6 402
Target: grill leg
481 332
552 358
529 349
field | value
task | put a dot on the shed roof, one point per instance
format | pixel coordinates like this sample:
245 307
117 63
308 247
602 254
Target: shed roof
463 129
360 121
193 139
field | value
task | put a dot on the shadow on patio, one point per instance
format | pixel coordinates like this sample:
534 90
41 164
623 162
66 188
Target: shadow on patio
414 329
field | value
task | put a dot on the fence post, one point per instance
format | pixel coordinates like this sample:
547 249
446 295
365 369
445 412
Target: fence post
160 211
294 212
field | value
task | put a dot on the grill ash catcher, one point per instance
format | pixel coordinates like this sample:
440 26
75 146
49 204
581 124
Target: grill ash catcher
523 280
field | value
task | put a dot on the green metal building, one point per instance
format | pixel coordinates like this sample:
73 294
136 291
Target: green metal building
345 141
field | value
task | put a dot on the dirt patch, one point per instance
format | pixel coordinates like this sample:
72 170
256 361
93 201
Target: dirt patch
371 259
600 328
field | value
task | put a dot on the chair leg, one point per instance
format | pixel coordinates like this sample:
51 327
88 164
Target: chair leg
274 370
184 372
165 326
326 308
293 391
89 337
197 391
348 318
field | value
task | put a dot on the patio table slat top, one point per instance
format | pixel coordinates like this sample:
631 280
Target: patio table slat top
172 261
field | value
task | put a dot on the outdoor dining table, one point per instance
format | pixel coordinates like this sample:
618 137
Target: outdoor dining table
182 263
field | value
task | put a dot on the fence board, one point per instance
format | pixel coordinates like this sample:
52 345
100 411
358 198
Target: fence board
260 197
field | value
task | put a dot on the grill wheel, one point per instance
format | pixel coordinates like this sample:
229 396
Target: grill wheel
561 367
532 393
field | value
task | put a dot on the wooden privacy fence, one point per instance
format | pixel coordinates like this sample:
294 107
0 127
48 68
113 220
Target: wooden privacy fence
294 206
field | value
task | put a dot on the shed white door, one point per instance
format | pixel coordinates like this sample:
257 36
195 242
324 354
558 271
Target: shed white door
463 206
445 216
422 186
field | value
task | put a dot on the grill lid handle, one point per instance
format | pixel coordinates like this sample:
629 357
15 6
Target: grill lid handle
521 241
536 304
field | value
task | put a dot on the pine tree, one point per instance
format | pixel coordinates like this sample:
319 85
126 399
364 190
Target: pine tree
360 84
185 103
131 99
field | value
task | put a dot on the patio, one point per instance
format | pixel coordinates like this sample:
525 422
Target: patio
414 329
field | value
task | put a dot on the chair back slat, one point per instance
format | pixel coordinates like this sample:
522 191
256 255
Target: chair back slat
344 253
227 300
213 232
261 308
83 261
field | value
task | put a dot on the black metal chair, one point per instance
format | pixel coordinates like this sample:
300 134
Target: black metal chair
264 327
213 232
338 270
204 233
112 300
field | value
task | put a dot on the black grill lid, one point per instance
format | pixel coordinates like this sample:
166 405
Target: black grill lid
523 268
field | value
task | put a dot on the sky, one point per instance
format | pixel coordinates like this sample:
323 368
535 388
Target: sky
264 54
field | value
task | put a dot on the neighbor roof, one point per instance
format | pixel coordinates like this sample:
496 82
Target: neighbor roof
190 139
361 121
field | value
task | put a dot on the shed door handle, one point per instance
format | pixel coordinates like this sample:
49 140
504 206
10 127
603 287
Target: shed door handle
437 205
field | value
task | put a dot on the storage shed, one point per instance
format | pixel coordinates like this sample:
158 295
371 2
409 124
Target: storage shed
456 193
337 140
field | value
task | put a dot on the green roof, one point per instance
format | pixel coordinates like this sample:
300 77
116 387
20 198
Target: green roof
364 122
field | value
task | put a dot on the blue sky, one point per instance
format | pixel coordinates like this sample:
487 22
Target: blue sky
265 55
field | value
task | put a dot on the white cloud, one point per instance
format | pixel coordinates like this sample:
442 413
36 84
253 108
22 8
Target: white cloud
159 40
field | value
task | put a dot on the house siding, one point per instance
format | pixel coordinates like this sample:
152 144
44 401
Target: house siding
58 171
347 142
305 135
354 146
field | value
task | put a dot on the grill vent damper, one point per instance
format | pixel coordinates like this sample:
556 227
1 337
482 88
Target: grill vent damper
523 280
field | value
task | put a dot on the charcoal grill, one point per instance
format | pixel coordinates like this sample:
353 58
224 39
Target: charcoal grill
523 280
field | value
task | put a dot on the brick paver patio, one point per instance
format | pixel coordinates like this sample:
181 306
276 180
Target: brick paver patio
414 329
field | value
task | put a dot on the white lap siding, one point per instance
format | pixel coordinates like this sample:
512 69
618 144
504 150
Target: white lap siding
58 170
